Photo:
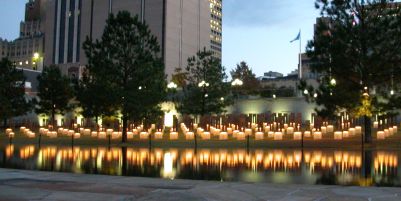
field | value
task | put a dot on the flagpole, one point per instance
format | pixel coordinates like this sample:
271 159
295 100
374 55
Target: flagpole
300 55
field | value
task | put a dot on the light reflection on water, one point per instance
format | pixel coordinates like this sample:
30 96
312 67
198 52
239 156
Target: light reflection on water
277 166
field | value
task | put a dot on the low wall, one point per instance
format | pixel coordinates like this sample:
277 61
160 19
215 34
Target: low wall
278 105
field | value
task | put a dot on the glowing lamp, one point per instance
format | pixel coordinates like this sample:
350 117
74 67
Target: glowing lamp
240 136
381 135
298 135
94 134
330 128
259 136
130 135
174 136
290 130
223 136
358 130
158 135
205 135
248 132
345 134
270 134
338 135
189 135
317 135
143 135
376 124
278 136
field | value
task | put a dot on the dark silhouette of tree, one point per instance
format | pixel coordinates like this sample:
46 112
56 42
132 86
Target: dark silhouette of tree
13 101
205 91
55 93
127 59
357 50
243 72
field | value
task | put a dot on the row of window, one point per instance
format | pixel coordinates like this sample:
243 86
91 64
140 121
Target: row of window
216 17
215 43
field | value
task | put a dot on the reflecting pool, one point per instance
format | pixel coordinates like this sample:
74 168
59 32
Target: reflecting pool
309 166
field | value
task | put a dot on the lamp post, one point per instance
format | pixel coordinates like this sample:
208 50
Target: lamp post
172 87
236 84
36 59
203 85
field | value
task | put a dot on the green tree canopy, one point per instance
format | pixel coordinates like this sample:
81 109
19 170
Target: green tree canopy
357 50
95 96
206 91
13 101
128 60
243 72
55 93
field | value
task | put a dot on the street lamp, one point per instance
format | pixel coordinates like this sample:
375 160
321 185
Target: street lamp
35 58
203 84
237 83
172 85
333 82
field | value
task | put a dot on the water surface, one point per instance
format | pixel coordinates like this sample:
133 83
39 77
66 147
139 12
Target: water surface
309 166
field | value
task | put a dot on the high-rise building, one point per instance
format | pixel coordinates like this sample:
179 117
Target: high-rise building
182 27
28 49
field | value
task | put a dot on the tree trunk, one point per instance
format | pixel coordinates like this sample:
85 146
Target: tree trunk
97 122
125 124
53 118
368 130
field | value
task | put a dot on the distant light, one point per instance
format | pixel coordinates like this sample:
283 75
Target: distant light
26 62
222 98
206 95
140 87
172 85
315 95
392 92
237 82
203 84
306 92
274 96
36 56
333 82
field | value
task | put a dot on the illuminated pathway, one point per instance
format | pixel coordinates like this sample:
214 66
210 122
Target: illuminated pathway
33 185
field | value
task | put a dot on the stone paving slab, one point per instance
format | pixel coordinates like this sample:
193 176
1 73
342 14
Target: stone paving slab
36 185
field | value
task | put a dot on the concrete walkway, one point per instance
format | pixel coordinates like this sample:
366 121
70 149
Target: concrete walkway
34 185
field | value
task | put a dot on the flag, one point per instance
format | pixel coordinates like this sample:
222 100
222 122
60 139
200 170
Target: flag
297 38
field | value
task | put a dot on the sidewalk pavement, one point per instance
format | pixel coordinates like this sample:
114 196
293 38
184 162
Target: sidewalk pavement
35 185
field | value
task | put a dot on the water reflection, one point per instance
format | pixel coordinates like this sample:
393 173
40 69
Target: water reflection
279 166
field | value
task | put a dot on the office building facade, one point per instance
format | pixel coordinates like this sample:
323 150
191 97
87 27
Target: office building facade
182 27
28 49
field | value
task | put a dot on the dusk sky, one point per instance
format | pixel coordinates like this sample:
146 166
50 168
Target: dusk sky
256 31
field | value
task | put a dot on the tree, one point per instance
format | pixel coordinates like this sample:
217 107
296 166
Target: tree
357 50
251 85
13 101
205 91
95 96
55 93
127 59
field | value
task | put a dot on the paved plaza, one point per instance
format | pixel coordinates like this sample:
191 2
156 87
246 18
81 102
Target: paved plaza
35 185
